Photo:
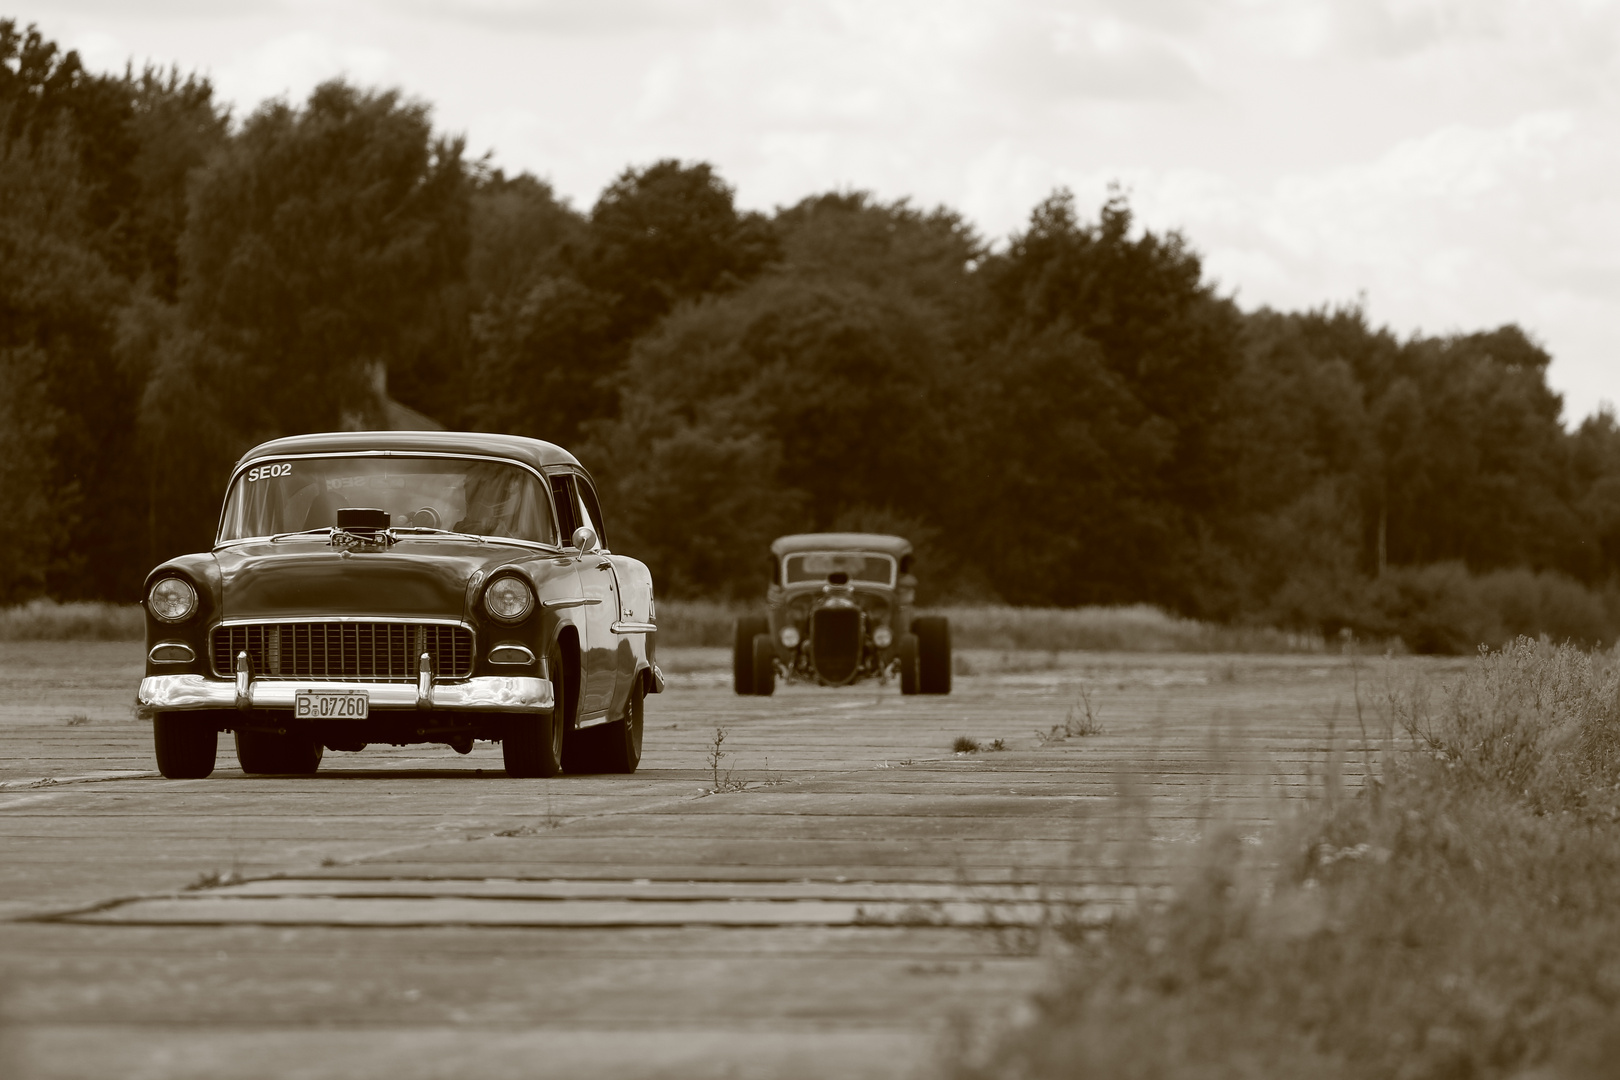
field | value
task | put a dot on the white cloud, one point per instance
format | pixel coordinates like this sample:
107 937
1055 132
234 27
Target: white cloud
292 65
1452 158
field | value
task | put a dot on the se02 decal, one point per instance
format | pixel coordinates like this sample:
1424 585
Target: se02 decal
268 472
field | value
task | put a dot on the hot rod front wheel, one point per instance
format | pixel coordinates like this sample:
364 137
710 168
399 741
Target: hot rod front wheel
933 654
764 665
908 663
742 652
186 744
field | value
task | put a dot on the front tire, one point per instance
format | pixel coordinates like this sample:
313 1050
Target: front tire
933 654
742 652
764 665
533 745
186 745
264 752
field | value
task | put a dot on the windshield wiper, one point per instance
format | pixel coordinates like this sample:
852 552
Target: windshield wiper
302 532
428 530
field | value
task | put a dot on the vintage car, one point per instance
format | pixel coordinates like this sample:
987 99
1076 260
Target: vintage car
402 587
839 608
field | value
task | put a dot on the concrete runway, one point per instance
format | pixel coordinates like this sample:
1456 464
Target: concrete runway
851 899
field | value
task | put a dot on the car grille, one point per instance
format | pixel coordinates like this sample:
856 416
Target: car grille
835 643
365 651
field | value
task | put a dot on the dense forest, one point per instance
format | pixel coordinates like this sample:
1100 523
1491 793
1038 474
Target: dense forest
1075 415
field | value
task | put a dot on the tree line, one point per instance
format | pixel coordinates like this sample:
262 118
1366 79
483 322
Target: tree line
1074 416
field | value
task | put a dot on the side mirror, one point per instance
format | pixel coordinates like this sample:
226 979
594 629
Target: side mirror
585 539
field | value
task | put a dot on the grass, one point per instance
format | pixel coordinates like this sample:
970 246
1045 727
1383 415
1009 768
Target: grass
1452 918
709 624
80 620
1137 628
700 623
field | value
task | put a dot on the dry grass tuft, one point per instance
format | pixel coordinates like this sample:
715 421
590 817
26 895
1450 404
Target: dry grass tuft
1453 918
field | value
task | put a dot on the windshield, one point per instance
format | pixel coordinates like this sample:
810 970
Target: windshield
859 565
487 498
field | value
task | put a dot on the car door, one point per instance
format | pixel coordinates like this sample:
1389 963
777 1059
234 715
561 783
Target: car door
600 588
624 666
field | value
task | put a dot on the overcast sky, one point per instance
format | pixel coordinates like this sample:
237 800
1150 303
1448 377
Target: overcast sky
1453 164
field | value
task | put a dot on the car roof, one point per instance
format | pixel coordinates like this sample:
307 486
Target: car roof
531 452
841 541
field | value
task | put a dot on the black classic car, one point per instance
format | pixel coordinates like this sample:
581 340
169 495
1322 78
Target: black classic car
402 587
839 609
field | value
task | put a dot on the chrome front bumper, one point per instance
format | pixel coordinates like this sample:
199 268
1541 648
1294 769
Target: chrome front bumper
483 694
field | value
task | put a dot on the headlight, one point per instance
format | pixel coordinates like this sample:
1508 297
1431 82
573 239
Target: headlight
508 598
881 637
790 637
172 600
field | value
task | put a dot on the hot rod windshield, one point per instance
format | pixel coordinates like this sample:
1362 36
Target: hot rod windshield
860 566
486 498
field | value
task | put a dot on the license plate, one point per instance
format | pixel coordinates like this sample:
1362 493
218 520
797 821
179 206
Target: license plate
332 705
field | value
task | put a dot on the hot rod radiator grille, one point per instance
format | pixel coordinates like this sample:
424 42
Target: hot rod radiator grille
835 643
370 651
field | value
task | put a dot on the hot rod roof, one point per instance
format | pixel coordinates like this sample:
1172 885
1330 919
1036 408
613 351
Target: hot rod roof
531 452
841 541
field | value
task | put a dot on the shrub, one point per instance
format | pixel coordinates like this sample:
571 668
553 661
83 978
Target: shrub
1443 608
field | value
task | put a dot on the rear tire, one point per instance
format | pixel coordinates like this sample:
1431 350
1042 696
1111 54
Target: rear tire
742 652
933 654
764 665
618 745
186 745
533 745
908 663
267 752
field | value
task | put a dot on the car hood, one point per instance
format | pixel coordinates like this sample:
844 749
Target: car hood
423 578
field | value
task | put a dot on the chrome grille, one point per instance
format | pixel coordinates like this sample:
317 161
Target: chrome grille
363 651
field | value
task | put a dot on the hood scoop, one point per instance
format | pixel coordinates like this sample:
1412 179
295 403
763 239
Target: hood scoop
364 528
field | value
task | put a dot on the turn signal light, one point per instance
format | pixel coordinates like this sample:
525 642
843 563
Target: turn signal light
510 654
